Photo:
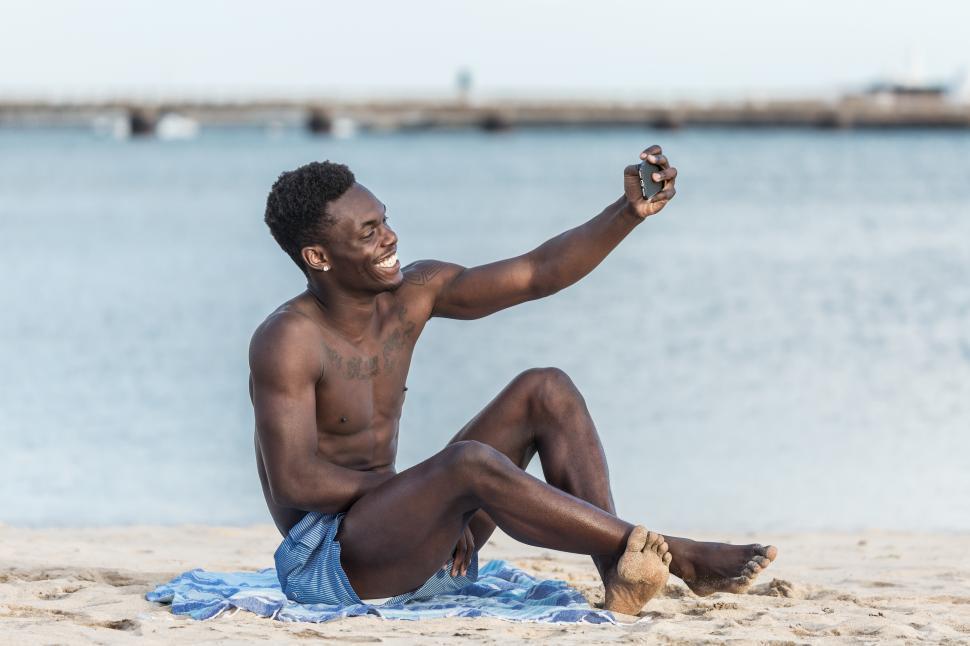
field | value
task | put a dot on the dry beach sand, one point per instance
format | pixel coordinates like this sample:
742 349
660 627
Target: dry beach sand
76 586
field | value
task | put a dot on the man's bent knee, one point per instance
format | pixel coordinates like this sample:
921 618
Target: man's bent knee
473 457
550 390
471 453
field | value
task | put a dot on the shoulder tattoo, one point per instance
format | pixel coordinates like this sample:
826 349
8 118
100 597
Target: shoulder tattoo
421 273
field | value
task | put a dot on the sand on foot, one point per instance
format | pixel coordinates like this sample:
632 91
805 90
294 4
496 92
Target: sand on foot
639 574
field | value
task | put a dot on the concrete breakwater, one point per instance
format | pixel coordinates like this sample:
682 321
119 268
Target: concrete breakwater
322 117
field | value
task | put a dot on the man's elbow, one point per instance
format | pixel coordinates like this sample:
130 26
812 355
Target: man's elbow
542 289
292 495
544 281
286 496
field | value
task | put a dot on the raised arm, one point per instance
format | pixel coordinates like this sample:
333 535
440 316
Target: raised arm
286 363
468 293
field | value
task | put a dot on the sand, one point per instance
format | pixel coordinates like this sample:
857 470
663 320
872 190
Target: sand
76 586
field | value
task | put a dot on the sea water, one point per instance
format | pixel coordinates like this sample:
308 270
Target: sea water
785 347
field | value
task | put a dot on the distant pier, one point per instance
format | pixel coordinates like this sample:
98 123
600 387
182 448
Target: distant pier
323 117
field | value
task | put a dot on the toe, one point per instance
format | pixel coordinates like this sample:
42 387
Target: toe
663 548
738 584
769 552
763 561
638 538
667 558
653 539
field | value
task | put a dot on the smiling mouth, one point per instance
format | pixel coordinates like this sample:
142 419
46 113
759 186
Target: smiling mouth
388 262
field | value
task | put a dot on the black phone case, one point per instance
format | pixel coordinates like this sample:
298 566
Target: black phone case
648 187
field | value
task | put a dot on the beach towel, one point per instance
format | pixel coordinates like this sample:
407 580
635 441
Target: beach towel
501 591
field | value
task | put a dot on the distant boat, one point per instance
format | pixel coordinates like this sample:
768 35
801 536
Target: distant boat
901 91
910 88
173 126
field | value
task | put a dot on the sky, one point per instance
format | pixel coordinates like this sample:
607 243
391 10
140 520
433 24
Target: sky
602 48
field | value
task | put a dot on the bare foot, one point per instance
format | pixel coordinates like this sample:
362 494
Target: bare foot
707 568
640 572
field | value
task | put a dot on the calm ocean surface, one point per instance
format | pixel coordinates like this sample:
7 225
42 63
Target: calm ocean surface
786 347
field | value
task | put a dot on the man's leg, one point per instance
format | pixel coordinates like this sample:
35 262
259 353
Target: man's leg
396 536
542 412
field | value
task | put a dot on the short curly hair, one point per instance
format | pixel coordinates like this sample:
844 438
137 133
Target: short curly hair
296 208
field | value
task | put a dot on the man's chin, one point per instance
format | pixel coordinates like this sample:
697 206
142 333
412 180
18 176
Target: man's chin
392 283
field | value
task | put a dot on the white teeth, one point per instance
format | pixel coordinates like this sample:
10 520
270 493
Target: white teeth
388 262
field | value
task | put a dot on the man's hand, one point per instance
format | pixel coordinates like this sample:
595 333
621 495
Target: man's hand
667 174
464 551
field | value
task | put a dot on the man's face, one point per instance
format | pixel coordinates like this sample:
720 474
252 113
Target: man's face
363 248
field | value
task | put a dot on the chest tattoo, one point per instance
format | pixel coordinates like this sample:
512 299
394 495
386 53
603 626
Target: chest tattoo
362 368
359 368
392 346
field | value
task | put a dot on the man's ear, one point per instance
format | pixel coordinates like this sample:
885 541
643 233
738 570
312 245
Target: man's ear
315 258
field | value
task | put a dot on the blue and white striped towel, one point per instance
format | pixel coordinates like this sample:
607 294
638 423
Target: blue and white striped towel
501 591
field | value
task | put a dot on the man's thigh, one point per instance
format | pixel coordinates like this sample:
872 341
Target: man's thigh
504 422
504 425
396 536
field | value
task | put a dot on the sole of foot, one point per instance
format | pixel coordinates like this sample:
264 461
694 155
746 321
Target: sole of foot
640 572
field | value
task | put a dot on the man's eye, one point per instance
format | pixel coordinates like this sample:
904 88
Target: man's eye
369 235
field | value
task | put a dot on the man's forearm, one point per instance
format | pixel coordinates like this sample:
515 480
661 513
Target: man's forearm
328 488
565 259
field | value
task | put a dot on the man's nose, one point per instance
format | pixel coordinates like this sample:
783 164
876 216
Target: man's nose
390 238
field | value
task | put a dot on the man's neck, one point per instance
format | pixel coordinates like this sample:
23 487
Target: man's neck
350 315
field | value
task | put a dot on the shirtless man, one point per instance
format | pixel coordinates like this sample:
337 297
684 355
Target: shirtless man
328 371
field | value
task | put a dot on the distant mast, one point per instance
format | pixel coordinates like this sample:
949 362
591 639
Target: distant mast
463 85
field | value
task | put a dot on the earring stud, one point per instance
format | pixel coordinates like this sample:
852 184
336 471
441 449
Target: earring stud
326 267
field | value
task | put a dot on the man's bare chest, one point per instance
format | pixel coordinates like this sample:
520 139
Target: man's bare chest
365 384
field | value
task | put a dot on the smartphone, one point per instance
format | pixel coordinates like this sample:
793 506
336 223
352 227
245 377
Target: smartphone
648 187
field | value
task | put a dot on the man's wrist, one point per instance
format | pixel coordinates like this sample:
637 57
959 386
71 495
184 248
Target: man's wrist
627 210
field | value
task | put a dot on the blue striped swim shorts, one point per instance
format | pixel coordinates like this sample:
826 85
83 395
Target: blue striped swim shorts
309 570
